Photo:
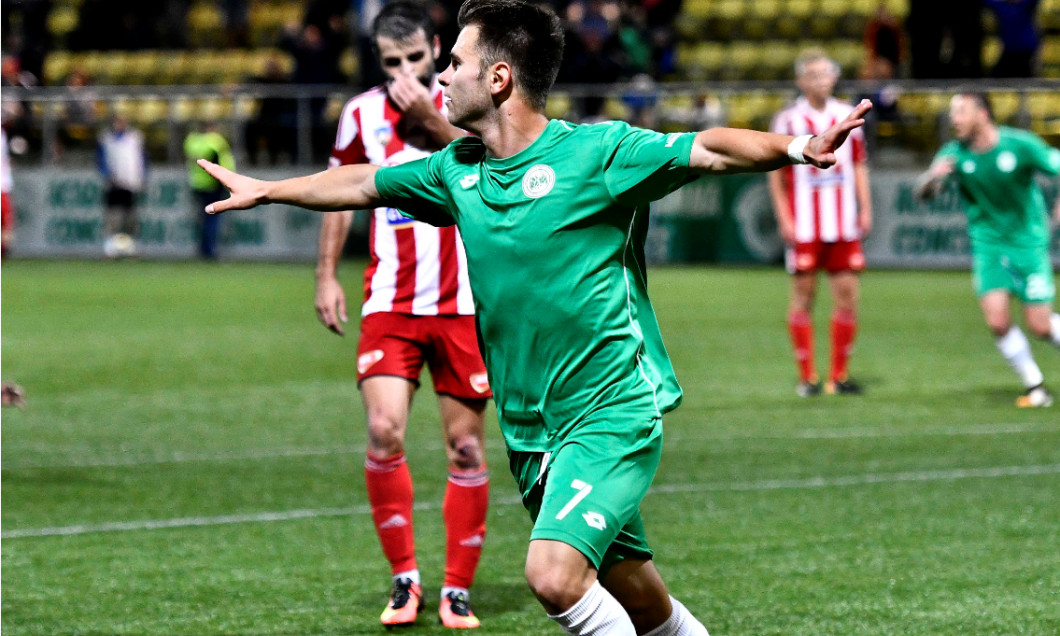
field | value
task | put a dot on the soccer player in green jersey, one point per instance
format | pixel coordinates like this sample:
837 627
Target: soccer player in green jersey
554 218
994 167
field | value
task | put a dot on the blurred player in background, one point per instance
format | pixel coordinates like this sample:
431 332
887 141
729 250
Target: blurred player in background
994 167
417 309
822 215
122 160
7 209
555 217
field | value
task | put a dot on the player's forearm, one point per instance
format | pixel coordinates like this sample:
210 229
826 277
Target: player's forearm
781 205
342 188
732 150
861 188
441 131
333 231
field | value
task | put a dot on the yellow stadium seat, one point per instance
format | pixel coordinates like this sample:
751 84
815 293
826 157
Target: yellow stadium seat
991 51
558 106
57 66
350 64
1006 105
62 20
151 111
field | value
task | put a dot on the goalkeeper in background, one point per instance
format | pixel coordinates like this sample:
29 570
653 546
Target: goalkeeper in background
994 167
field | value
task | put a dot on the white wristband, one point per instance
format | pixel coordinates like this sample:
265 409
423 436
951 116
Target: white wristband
796 147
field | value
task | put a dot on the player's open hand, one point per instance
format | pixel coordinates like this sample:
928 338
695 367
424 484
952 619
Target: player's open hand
246 192
331 304
411 97
820 151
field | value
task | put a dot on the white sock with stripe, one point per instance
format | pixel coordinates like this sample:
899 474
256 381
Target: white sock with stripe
680 623
597 613
1017 352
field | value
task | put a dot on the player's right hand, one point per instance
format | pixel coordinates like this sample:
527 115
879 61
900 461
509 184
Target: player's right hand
331 304
246 192
943 168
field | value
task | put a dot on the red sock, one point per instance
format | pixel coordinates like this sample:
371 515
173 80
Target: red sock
844 328
390 493
800 326
464 510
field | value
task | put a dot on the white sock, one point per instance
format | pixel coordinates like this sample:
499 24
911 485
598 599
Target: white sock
414 575
446 589
1017 352
680 623
596 613
1054 329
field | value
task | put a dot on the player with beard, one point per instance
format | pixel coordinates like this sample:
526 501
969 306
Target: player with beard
1008 224
417 310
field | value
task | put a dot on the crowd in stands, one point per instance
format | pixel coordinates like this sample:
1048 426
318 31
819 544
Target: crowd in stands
634 42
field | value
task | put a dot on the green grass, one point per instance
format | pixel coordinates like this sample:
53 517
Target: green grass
175 391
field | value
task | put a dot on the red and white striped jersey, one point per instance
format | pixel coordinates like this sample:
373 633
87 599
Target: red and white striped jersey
824 202
415 268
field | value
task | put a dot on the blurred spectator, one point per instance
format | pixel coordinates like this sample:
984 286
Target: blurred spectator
122 160
237 13
883 45
26 34
271 135
945 38
706 112
7 209
205 142
18 119
641 99
1018 29
317 47
79 116
593 52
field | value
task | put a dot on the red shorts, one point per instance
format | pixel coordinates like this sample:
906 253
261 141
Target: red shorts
841 256
399 345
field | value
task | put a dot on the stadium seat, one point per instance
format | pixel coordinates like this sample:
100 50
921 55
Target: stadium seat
205 25
62 20
57 66
558 106
1006 105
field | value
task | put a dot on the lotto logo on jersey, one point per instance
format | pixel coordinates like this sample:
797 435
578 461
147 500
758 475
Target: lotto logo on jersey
367 359
480 382
395 217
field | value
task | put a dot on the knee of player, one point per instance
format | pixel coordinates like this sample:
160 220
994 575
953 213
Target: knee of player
466 453
556 588
386 433
997 326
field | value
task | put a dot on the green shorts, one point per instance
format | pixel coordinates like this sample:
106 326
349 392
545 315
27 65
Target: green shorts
587 492
1024 271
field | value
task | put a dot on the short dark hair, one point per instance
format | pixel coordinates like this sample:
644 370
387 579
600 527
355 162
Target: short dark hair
981 99
527 36
399 19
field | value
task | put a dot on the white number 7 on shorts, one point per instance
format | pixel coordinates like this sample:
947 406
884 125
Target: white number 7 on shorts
583 490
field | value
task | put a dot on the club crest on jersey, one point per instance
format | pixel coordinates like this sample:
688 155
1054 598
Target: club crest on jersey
968 167
367 359
384 134
394 216
538 181
479 382
1006 161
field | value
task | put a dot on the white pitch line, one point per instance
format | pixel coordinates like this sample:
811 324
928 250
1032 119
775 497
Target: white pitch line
284 452
810 483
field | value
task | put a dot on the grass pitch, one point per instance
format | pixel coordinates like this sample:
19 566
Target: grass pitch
190 463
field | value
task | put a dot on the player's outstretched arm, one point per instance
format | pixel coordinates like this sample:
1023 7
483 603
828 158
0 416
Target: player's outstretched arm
342 188
929 184
729 150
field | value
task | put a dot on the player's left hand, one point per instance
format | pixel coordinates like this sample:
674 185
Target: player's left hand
411 97
820 151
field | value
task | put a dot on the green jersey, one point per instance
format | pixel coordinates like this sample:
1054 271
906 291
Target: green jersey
1004 204
554 237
